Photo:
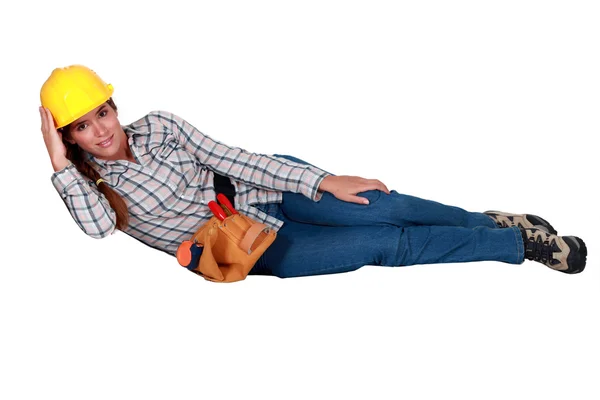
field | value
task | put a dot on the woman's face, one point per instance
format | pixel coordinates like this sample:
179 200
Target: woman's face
99 133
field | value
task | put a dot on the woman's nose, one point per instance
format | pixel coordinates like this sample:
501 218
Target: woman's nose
100 129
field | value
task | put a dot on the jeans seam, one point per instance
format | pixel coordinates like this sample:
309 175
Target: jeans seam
520 244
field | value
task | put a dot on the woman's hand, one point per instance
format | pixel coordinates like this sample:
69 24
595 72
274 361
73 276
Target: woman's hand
53 139
346 187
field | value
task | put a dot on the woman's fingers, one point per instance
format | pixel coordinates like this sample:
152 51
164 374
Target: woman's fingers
43 117
352 198
381 186
358 200
375 184
52 137
49 121
347 187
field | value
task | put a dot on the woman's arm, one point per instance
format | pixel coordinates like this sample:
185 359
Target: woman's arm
257 169
345 187
88 207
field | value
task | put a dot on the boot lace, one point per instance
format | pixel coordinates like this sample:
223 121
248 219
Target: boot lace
538 249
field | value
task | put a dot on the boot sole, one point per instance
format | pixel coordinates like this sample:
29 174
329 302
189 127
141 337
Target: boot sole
577 254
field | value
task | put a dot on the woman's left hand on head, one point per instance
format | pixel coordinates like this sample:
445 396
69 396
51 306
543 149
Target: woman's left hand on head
346 187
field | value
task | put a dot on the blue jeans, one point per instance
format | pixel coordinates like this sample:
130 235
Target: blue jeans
333 236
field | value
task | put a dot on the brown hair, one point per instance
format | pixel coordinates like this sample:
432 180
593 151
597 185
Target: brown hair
75 154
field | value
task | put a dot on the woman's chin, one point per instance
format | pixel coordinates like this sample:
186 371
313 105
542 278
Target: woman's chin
107 154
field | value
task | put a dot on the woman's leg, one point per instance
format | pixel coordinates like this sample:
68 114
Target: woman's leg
391 209
304 249
383 209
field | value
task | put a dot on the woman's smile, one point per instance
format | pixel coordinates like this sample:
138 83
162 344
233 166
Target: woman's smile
107 142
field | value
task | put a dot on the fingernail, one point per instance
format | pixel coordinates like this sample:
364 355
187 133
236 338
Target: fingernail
365 201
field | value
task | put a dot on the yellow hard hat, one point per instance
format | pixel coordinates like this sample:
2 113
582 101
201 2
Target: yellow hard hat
71 92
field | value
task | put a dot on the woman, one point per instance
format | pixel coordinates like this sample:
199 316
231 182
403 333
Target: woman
153 179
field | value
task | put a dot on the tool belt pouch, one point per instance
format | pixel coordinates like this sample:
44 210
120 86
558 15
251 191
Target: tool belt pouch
231 247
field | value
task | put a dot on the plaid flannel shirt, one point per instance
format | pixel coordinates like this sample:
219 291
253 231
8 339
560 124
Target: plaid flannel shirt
167 193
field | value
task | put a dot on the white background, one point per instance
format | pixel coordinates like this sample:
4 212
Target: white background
483 105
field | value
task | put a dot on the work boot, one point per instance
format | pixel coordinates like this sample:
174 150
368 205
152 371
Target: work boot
563 253
506 220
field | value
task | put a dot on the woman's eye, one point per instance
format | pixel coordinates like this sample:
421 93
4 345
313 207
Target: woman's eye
81 127
103 113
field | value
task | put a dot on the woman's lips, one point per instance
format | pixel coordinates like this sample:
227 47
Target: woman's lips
107 142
